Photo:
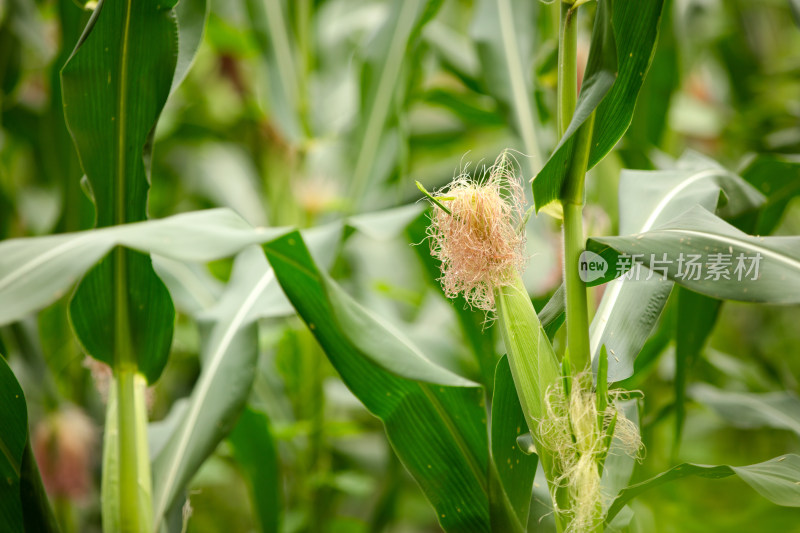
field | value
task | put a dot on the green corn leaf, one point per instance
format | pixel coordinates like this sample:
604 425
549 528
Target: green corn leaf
114 85
647 199
434 420
228 354
515 469
601 71
699 232
775 480
23 503
35 272
780 410
635 29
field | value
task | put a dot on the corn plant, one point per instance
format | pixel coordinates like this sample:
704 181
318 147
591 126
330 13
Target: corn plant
245 276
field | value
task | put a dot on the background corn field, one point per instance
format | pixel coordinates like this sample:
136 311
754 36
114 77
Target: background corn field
319 381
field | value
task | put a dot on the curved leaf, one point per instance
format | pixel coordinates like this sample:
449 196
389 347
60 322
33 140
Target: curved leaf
749 410
601 71
114 86
752 269
775 480
229 351
437 431
635 29
649 198
35 272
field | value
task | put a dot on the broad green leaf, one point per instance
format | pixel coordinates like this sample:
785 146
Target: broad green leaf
601 71
23 503
437 430
257 456
515 468
191 16
503 31
35 272
646 199
380 81
114 86
768 266
635 28
775 480
779 410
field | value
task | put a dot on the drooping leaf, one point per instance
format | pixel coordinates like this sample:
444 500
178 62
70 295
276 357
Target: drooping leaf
515 468
649 198
775 480
751 269
257 456
751 410
23 503
635 29
437 430
114 86
601 71
35 272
